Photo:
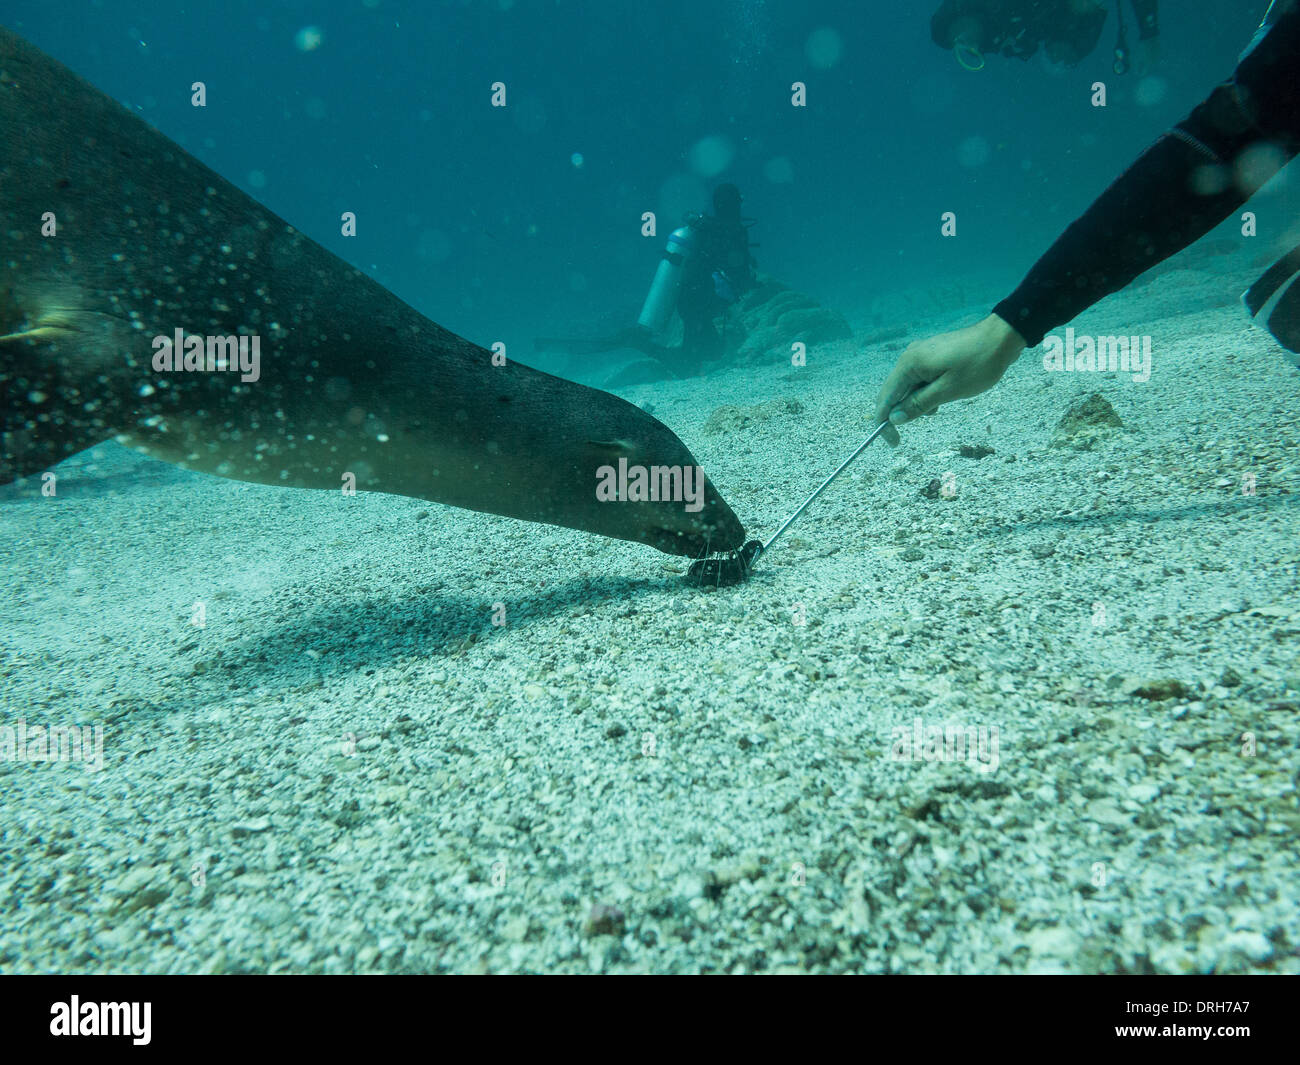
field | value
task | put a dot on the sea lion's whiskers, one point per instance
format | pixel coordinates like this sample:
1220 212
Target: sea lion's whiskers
699 574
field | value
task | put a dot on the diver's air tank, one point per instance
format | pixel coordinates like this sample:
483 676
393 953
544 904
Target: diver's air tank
662 297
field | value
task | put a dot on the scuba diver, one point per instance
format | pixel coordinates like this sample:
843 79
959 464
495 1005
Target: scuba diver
1067 30
706 267
1154 209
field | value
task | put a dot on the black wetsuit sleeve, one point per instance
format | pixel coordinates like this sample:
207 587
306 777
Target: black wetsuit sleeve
1148 19
1176 192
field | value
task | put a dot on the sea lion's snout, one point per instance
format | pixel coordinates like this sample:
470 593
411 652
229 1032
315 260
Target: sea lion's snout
716 528
651 489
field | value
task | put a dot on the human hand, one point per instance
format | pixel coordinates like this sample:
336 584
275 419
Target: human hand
947 367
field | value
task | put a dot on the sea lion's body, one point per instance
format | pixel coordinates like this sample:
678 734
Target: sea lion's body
148 240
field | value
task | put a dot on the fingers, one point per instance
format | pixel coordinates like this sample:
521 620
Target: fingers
947 368
897 398
902 379
923 401
897 386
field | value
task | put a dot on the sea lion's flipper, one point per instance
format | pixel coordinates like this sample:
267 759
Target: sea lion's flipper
49 405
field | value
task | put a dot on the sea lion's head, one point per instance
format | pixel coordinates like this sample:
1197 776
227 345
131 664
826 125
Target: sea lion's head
650 488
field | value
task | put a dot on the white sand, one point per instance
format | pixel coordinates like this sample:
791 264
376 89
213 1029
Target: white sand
716 774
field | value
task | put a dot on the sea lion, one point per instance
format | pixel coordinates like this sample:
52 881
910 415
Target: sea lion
113 238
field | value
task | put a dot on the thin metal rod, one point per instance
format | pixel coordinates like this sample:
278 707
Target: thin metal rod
822 487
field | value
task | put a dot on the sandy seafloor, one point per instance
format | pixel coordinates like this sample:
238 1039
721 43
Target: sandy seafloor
350 768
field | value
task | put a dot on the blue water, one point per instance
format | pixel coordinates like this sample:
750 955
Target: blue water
482 219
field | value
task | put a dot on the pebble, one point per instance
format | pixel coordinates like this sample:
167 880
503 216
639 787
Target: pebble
1161 688
1054 942
1105 812
1253 945
144 886
604 920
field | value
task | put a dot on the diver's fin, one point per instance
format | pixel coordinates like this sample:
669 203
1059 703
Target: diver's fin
1273 302
52 380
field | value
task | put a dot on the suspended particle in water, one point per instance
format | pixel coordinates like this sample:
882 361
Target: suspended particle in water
778 170
710 156
1151 91
1256 166
308 39
824 48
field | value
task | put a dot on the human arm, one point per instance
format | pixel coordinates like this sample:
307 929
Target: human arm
1180 188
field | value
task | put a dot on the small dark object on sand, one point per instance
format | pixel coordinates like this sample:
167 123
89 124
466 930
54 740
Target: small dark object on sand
736 566
725 570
